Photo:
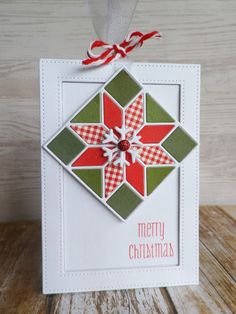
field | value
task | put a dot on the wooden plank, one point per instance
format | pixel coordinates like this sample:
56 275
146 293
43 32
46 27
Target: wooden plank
198 299
91 302
230 210
11 246
151 300
218 277
217 233
20 272
215 293
121 301
217 289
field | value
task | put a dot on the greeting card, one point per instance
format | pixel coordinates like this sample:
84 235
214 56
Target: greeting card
120 146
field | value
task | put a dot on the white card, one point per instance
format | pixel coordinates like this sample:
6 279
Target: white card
93 238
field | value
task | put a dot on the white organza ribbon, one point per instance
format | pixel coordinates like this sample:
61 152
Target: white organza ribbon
111 18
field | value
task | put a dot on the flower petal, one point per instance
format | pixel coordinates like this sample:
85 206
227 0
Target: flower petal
92 156
154 155
152 134
91 134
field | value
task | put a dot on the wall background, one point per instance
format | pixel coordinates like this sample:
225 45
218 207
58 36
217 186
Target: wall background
193 32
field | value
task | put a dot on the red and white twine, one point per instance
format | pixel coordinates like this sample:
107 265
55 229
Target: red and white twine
116 51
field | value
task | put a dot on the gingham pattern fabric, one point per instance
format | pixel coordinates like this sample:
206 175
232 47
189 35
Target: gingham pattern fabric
154 155
91 134
134 114
113 178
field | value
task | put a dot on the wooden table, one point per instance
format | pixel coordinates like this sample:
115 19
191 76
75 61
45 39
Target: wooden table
20 275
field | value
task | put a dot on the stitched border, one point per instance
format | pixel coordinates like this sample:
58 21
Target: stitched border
121 287
74 273
43 179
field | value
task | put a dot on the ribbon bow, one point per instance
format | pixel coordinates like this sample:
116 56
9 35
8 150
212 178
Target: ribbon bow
116 51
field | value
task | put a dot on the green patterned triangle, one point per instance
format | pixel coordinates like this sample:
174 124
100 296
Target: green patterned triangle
155 113
92 177
90 113
155 175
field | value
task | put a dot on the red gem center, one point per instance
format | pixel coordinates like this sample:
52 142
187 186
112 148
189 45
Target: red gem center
124 145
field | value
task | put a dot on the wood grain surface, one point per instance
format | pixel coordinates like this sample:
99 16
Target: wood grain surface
193 32
20 276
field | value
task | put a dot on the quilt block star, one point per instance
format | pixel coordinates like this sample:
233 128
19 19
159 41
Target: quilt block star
121 145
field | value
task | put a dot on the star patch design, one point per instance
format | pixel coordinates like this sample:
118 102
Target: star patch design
121 145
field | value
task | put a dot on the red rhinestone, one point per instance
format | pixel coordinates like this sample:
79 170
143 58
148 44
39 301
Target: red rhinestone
124 145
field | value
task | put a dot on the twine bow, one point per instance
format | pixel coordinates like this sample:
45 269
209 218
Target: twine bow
116 51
